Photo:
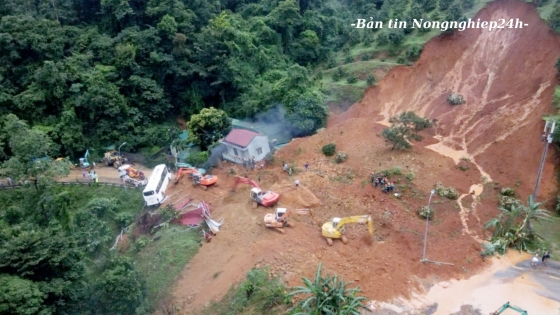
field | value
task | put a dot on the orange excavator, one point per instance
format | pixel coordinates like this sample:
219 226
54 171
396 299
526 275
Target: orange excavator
279 219
259 197
197 178
128 170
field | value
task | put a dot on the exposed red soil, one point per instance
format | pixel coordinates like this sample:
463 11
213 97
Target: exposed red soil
508 79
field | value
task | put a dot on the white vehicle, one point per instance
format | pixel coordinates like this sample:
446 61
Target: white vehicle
132 176
154 193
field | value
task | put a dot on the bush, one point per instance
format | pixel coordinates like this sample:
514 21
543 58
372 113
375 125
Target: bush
338 74
506 191
370 79
455 99
331 63
382 39
197 159
409 176
349 59
448 192
365 57
124 219
488 249
426 212
401 60
413 52
352 79
340 157
141 242
329 149
508 202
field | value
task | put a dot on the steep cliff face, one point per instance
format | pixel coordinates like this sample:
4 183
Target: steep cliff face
507 77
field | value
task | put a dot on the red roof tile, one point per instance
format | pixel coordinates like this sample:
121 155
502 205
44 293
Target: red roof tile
240 137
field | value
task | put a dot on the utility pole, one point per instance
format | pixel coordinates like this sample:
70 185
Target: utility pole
427 219
549 126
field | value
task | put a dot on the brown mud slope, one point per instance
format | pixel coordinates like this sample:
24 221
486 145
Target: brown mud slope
508 78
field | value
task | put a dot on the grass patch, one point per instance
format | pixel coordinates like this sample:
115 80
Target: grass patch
161 261
258 294
550 231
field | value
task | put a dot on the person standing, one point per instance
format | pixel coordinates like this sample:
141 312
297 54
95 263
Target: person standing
297 182
535 260
95 177
545 257
306 166
93 163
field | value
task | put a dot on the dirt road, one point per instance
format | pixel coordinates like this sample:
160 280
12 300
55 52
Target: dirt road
107 174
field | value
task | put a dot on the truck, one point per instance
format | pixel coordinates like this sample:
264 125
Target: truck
132 176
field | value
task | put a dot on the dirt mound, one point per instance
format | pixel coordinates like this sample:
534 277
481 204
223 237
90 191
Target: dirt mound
293 196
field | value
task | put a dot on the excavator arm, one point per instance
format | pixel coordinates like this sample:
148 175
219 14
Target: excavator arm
353 219
335 228
513 307
243 180
182 171
295 211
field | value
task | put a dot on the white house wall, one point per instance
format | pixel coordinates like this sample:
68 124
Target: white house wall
258 142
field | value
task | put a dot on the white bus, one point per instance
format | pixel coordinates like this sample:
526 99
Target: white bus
154 193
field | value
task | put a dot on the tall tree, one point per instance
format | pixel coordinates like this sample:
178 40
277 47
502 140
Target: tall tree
31 149
208 126
285 17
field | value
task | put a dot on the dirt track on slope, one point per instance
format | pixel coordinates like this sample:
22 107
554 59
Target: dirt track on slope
507 77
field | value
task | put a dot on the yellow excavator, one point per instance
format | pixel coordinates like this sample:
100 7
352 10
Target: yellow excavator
279 219
336 227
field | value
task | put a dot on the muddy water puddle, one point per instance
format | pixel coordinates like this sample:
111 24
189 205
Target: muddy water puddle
502 282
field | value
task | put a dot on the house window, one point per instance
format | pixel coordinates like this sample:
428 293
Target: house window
235 151
259 151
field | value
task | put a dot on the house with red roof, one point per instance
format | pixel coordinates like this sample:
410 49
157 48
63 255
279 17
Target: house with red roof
245 144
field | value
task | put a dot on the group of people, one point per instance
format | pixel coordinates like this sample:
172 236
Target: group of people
91 176
382 181
535 259
252 164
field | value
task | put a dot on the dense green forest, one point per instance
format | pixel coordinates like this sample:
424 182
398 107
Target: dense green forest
92 73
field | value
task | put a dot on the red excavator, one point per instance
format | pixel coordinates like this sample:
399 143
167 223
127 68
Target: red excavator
263 198
197 178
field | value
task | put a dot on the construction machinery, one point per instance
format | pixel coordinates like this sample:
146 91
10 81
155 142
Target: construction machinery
114 158
279 219
84 163
336 227
198 176
132 176
259 197
506 306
